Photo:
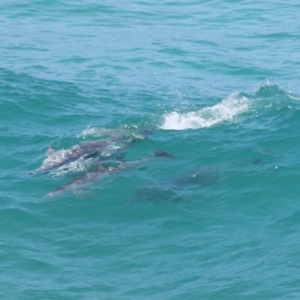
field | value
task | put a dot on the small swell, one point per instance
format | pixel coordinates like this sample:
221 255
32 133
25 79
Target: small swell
226 110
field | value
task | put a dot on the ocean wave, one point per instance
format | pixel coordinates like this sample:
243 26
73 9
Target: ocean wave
268 96
226 110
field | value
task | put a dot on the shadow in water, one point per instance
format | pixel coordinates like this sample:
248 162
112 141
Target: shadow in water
174 189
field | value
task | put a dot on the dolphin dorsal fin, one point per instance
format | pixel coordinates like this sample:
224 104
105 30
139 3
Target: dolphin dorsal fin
50 150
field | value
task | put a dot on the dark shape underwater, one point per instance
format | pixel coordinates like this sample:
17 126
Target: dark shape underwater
102 170
170 190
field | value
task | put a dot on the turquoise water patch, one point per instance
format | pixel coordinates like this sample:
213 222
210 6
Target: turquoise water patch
213 87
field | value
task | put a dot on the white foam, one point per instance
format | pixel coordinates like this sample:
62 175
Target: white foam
98 132
226 110
79 165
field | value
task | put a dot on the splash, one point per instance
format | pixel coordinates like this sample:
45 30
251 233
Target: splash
99 132
226 110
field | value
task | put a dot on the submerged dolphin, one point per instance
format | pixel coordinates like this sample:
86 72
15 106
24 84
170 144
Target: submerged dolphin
102 170
84 153
202 176
171 189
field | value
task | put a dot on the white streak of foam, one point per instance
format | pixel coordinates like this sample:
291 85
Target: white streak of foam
209 116
98 132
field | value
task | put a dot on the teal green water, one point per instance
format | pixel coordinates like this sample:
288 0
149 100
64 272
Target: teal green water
217 84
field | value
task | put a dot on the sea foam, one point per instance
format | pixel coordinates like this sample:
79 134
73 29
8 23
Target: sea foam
226 110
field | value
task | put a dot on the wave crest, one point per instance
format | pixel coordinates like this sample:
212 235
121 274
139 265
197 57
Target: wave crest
226 110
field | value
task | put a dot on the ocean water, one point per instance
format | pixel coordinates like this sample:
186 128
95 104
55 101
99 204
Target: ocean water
216 85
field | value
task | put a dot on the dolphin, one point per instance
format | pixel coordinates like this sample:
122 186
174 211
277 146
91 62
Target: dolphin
170 190
85 154
102 170
201 176
58 158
